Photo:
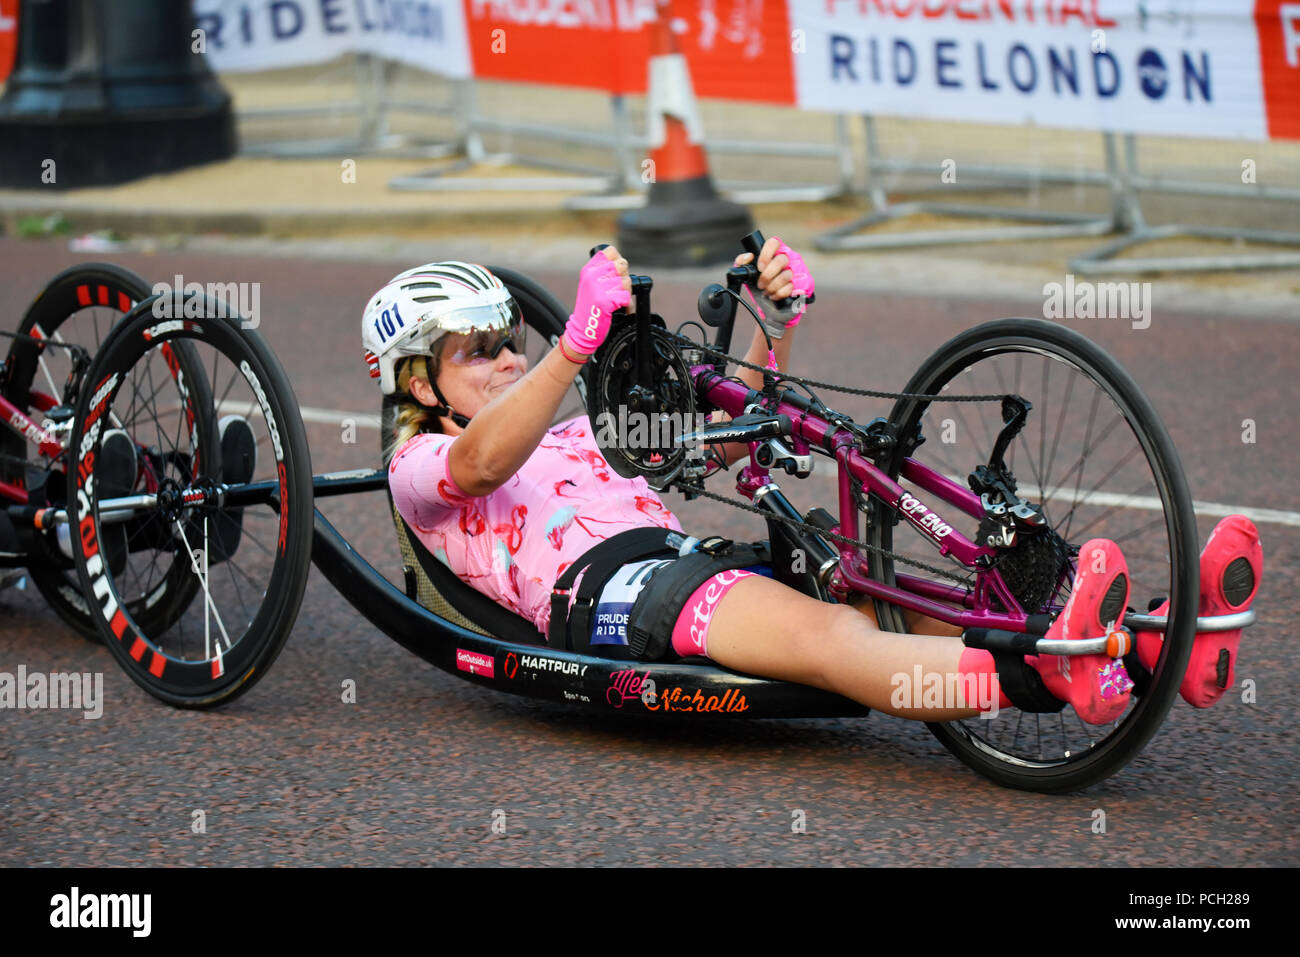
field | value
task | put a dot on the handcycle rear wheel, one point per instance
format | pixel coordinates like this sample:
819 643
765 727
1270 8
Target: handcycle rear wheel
80 306
248 557
1095 455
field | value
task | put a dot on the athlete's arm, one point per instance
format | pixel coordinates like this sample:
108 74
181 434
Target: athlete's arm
504 433
777 281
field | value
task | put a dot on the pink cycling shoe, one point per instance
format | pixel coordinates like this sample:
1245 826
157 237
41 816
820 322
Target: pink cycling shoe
1096 685
1231 563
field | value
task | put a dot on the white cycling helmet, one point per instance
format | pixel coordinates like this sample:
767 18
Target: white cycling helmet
421 305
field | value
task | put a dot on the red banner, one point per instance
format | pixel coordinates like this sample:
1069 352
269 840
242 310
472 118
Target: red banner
8 36
737 49
1279 61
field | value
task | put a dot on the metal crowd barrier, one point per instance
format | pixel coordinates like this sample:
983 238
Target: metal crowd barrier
372 105
1048 224
609 189
1102 259
620 185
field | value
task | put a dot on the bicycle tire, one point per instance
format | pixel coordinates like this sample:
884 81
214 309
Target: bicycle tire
1051 343
161 662
95 295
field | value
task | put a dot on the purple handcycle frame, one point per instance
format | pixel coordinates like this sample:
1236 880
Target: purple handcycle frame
963 607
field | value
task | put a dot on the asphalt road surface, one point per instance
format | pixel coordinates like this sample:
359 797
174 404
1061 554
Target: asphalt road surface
418 769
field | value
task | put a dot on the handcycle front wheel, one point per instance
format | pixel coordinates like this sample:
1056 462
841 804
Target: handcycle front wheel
79 307
243 519
1095 456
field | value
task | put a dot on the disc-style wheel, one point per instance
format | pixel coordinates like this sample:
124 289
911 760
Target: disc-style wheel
641 405
1095 456
79 307
243 518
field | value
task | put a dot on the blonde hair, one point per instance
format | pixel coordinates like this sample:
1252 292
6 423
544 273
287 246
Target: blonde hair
409 416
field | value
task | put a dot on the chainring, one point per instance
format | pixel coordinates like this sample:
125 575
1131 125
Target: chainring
638 432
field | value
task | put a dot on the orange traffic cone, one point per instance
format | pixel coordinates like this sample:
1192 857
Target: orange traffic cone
684 221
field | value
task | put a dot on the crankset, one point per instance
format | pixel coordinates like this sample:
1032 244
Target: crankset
642 402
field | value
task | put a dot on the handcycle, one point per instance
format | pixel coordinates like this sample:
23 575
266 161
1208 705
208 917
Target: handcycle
199 600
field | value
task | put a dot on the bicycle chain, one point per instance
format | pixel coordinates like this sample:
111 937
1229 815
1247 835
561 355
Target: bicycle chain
795 523
830 386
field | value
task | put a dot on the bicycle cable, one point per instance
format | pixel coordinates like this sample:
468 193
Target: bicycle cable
848 390
806 383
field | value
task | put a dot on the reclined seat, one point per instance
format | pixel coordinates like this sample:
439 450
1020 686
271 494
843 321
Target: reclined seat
436 587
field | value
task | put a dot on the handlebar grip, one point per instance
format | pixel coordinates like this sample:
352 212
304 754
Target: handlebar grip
997 639
753 243
597 248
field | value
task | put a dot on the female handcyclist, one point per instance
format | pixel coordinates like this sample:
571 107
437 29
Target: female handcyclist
509 502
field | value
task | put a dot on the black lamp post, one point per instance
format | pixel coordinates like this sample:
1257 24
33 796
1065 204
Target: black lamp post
105 91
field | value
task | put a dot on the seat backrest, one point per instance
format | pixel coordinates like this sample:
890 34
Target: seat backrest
418 584
436 587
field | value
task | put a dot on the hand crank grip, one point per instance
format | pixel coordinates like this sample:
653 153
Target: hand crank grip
753 243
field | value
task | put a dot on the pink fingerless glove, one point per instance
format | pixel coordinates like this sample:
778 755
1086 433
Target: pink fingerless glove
803 280
600 292
778 313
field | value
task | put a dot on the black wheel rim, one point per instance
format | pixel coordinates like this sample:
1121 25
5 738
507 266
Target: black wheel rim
1092 494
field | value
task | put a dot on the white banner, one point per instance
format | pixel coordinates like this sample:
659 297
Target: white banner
242 35
1178 67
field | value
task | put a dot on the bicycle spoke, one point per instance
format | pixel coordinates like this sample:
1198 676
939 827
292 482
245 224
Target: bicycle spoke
1087 438
1115 468
1060 424
45 366
1089 476
209 607
1042 424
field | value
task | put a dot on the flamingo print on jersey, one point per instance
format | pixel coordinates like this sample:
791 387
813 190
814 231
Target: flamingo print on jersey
557 523
512 532
513 544
471 522
650 505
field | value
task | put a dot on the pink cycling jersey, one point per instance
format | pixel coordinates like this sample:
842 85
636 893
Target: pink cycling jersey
514 544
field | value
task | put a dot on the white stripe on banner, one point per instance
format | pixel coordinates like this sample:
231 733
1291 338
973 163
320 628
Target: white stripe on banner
1180 67
242 35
